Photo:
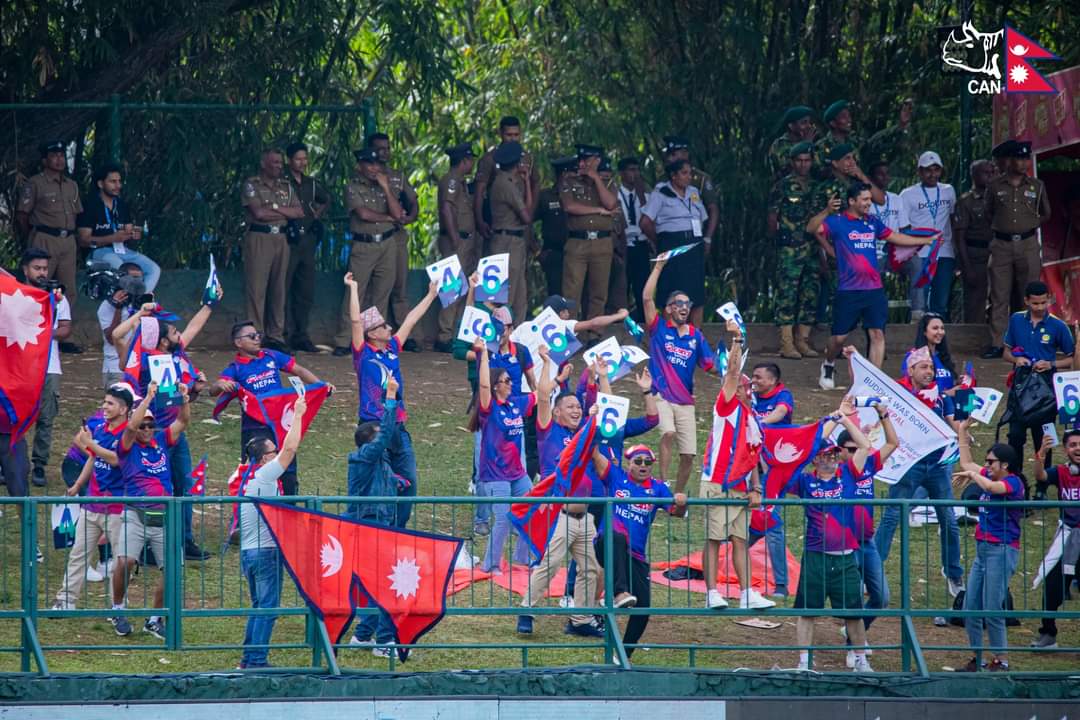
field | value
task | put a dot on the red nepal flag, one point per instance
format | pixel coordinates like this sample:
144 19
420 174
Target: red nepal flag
341 564
198 477
786 449
26 329
1020 75
275 408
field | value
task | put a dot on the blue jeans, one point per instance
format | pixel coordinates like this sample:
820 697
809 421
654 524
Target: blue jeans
180 470
501 529
380 625
916 296
151 271
403 463
774 539
262 568
482 513
936 479
940 290
873 576
987 588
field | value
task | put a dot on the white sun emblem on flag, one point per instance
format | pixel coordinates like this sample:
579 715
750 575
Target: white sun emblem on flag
405 578
1018 74
331 556
21 319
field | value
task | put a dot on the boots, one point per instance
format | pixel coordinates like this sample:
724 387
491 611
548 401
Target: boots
802 342
787 344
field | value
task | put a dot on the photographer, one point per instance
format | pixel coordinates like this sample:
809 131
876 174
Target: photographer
117 306
35 268
105 226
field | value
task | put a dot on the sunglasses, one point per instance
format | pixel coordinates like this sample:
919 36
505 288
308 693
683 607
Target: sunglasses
147 426
991 461
680 303
251 336
851 448
642 461
500 381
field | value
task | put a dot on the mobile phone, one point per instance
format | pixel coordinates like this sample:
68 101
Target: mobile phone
298 385
1050 431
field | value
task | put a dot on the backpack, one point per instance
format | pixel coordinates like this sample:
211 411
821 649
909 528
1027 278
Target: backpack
1031 399
958 604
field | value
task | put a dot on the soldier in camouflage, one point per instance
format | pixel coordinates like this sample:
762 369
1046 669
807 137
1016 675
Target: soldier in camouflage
799 124
883 146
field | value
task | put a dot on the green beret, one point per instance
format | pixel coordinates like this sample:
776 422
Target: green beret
839 151
797 113
804 148
833 110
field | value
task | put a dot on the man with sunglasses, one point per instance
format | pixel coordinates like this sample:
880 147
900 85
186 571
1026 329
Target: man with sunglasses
258 371
675 348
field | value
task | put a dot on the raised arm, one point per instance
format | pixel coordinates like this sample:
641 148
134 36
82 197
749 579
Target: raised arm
416 313
966 461
892 441
354 312
483 379
731 374
291 442
137 416
184 418
121 330
545 386
648 293
199 320
846 412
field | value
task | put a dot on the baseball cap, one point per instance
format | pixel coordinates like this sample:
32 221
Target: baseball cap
929 158
635 450
558 303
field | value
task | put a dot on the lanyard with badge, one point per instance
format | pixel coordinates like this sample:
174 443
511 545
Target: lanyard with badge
118 247
695 222
932 207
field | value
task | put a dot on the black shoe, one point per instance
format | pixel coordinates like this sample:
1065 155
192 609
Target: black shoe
412 346
304 345
342 351
194 552
275 344
993 353
443 347
38 477
70 348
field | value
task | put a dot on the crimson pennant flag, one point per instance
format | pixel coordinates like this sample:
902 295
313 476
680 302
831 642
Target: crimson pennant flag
275 408
535 523
198 477
1020 75
237 485
26 331
787 450
341 564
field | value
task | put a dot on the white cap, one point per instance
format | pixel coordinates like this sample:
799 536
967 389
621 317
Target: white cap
929 158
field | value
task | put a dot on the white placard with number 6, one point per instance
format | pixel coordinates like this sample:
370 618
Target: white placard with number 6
611 413
1067 391
494 273
610 352
476 325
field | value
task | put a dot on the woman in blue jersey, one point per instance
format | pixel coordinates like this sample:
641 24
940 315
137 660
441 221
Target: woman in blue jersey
930 333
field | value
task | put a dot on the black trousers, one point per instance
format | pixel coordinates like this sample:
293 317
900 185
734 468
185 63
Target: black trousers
628 575
1016 439
637 273
290 483
552 265
1054 586
300 286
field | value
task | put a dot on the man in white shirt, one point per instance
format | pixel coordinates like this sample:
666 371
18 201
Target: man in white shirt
111 312
930 204
632 197
892 214
35 268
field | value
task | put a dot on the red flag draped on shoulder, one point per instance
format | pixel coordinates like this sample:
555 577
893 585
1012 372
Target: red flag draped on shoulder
26 328
535 523
141 347
341 564
275 408
786 449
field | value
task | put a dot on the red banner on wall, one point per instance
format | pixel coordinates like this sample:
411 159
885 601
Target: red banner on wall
1051 123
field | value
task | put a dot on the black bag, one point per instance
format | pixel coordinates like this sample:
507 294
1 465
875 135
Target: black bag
1031 399
958 604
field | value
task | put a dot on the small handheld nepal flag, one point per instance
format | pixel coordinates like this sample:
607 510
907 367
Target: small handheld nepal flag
198 478
212 291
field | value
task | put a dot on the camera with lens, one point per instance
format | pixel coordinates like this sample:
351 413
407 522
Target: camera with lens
103 282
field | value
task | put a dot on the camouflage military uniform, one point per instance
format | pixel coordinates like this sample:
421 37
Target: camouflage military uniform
778 159
883 146
797 252
823 168
819 198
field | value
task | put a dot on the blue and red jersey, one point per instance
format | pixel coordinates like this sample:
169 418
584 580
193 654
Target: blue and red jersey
75 453
779 396
999 524
863 487
633 521
516 361
855 242
145 468
673 357
550 442
829 528
502 429
258 375
106 479
371 365
1068 486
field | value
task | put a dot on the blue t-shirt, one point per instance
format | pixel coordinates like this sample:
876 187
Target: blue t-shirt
999 523
502 427
550 442
633 521
829 528
516 361
863 487
672 358
855 242
145 468
766 403
1042 341
258 375
371 366
106 479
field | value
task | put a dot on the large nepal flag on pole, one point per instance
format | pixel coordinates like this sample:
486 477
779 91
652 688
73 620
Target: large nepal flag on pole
275 408
786 450
534 522
26 330
341 564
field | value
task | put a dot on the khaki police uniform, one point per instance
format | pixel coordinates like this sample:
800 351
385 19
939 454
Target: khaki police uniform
1015 213
53 204
454 192
616 296
485 172
266 254
589 246
399 296
509 234
300 277
373 255
970 220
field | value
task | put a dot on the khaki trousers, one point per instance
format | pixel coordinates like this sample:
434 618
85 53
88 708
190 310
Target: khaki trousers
518 299
399 295
266 264
62 262
591 259
1011 263
575 535
372 266
468 252
89 530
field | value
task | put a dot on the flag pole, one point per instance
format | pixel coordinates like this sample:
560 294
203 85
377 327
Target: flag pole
327 646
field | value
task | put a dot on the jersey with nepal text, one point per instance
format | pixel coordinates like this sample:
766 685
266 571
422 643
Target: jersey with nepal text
258 375
854 240
734 444
999 524
1068 486
372 366
610 447
165 416
672 358
864 488
829 528
633 521
502 427
145 468
779 396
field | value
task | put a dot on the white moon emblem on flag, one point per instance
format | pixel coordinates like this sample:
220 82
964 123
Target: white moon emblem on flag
287 418
21 319
330 556
786 452
405 578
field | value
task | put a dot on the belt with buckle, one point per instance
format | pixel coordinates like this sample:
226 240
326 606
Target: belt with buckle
271 229
575 515
589 234
55 232
1013 237
381 237
464 234
511 233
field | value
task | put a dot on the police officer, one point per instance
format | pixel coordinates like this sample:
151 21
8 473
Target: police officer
509 131
457 232
48 207
799 124
270 203
399 184
633 197
589 205
971 239
883 146
797 254
512 208
616 295
552 220
678 148
1016 205
375 214
300 277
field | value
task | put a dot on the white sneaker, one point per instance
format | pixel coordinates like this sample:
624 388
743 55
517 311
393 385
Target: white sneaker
916 520
862 665
955 586
803 666
58 605
715 600
566 601
357 642
866 646
825 378
93 574
849 661
751 599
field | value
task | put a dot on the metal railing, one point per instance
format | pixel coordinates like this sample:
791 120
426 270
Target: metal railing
198 593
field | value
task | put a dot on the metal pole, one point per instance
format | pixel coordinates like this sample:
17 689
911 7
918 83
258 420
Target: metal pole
29 579
114 127
963 172
369 117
